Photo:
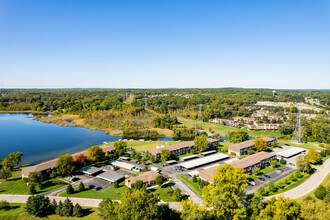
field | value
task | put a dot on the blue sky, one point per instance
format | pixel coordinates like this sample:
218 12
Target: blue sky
165 44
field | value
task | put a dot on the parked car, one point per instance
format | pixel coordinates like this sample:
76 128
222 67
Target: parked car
98 188
261 178
252 183
279 170
91 186
267 176
115 168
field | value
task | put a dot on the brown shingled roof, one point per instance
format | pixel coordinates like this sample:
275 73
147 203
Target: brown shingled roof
144 177
207 174
252 159
245 144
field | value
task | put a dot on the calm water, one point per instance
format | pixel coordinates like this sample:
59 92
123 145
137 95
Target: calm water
41 142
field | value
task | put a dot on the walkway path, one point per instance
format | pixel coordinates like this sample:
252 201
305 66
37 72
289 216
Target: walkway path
309 185
82 201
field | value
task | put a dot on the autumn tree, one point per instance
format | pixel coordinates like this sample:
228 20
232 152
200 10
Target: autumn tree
313 157
283 208
65 165
190 211
80 160
225 197
165 155
95 154
315 210
260 144
201 143
120 147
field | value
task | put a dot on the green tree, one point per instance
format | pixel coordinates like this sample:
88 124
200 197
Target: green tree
177 195
262 191
67 208
152 159
274 163
7 164
194 179
280 209
95 154
134 205
81 187
65 165
116 184
313 157
238 136
282 161
302 164
256 171
320 192
191 211
33 189
35 178
77 211
260 144
16 158
165 155
58 210
5 174
201 143
38 205
225 197
138 184
120 147
69 189
160 179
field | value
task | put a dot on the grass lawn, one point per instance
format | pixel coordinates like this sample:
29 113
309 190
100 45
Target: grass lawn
291 185
193 186
111 193
308 146
325 183
148 145
224 130
16 185
163 194
17 211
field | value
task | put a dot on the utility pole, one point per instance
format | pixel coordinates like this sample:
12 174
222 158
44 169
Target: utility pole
297 136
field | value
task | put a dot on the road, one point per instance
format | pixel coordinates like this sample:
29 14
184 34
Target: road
309 185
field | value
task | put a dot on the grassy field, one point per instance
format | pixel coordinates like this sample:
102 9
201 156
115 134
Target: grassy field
308 146
17 211
16 185
163 194
224 130
193 186
148 145
325 183
111 193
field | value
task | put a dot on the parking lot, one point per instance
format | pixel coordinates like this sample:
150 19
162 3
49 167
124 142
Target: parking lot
274 177
98 184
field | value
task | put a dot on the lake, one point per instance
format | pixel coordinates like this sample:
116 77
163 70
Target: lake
41 141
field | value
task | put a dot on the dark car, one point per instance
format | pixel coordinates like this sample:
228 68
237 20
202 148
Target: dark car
98 188
91 186
262 179
115 168
267 176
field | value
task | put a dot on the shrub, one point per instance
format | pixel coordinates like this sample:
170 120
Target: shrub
116 184
309 198
69 189
38 205
298 174
272 187
287 181
77 211
194 179
320 192
274 163
256 171
282 161
293 178
262 191
4 205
